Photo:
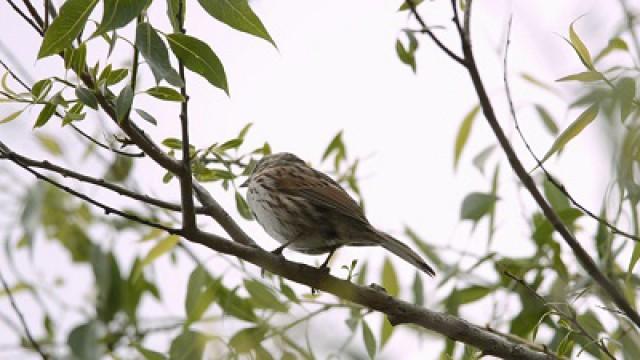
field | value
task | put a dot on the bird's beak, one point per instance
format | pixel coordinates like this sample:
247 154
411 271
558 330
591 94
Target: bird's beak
245 183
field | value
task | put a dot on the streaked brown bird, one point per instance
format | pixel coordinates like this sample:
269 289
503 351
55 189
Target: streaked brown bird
307 211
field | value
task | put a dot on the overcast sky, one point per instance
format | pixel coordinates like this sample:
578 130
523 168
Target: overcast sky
336 69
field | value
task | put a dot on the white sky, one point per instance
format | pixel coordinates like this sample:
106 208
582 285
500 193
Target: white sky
336 68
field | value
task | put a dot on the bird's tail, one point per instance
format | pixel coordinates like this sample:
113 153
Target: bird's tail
403 251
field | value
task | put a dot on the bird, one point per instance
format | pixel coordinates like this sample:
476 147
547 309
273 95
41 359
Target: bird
307 211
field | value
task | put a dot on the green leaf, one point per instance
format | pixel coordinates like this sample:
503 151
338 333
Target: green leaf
76 59
625 93
231 144
472 294
335 145
480 159
83 342
146 116
406 56
463 134
587 76
385 332
123 103
244 131
389 278
547 120
580 48
206 175
150 354
119 170
369 340
263 297
49 143
247 339
476 205
115 76
634 258
418 290
614 44
198 57
236 306
11 117
201 291
154 51
66 26
172 143
21 286
162 247
118 13
41 88
87 97
189 345
165 93
243 207
238 15
556 198
74 114
405 4
288 292
574 129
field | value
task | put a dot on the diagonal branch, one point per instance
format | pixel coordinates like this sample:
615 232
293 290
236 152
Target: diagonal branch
539 163
95 181
6 152
426 30
397 311
23 322
581 254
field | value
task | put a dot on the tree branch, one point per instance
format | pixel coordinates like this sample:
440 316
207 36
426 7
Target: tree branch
539 163
217 212
23 322
95 181
425 30
583 257
186 180
5 151
398 311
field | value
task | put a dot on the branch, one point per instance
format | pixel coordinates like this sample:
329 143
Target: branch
95 181
186 180
215 211
539 163
23 322
571 317
78 130
397 311
5 151
25 17
583 257
425 29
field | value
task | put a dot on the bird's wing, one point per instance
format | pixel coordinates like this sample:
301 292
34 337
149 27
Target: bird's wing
319 189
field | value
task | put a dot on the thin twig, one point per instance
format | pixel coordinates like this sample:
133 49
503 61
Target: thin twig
97 181
107 209
73 126
571 316
25 17
34 13
186 180
581 254
539 163
426 30
23 322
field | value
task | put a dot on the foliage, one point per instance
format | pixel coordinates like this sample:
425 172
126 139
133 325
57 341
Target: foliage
555 302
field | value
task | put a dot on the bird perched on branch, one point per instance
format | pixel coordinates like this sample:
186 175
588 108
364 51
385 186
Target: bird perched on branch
307 211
